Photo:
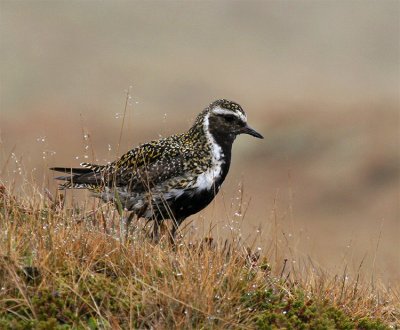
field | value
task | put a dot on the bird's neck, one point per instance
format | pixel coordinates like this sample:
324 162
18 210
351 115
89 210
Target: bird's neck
220 143
223 141
215 147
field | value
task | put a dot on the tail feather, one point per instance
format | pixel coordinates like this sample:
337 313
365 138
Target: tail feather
78 178
71 170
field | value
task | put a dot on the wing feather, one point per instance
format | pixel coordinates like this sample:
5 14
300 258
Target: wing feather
139 169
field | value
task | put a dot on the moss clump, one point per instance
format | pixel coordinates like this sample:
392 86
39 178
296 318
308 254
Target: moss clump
370 324
18 324
276 309
66 304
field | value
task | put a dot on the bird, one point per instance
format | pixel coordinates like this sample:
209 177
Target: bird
170 178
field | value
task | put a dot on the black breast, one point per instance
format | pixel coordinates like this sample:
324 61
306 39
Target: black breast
191 202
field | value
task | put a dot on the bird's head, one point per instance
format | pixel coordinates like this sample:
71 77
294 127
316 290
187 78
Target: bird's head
227 119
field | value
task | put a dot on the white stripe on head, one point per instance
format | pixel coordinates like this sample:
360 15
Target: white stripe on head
222 111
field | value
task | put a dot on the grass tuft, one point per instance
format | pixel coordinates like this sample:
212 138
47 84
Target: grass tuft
63 267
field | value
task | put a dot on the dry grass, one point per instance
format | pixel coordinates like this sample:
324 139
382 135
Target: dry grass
66 267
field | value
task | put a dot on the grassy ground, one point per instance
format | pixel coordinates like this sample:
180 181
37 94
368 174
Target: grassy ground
63 267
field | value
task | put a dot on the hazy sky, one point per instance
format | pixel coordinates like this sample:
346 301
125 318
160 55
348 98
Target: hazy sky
179 53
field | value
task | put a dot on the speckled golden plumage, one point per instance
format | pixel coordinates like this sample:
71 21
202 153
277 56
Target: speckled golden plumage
171 177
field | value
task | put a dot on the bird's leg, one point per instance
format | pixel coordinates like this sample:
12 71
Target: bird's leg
122 220
128 223
129 220
156 231
175 225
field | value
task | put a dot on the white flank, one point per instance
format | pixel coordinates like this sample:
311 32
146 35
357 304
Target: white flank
206 180
173 194
220 111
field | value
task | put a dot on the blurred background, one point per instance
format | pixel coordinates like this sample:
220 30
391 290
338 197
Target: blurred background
319 79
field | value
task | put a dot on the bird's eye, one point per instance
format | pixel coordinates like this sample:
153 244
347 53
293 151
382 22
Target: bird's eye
229 119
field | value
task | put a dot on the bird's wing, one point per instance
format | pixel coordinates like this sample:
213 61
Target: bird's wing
148 165
139 169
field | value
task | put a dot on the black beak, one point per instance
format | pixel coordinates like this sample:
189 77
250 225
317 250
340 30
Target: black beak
250 131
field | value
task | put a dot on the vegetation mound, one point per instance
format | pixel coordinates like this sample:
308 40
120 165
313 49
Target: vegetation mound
64 268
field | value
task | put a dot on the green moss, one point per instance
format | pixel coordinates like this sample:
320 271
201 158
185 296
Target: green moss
8 323
53 305
63 306
293 310
369 324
